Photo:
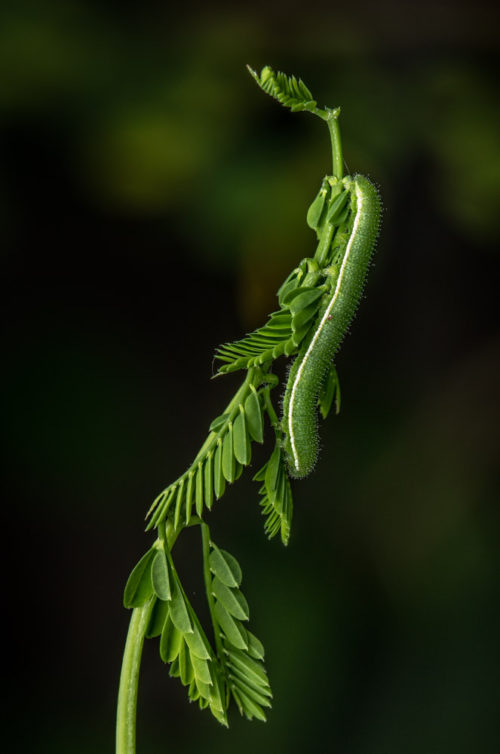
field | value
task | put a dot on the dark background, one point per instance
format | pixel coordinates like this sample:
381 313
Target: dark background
151 202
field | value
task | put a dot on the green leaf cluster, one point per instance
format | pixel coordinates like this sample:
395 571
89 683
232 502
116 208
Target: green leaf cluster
288 90
236 668
242 653
282 335
276 496
227 450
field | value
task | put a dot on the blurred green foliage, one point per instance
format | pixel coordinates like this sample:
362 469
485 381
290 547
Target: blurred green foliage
151 198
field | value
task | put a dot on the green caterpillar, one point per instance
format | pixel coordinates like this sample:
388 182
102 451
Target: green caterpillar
350 247
319 298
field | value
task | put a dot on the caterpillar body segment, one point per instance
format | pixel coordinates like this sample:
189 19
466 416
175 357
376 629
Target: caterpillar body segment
351 249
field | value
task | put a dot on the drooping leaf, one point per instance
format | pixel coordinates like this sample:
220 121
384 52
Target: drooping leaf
218 422
189 496
261 474
296 293
342 218
209 485
186 670
158 618
299 334
336 207
316 208
241 442
139 588
238 469
218 691
228 465
193 691
247 706
197 643
205 691
232 599
329 392
325 397
233 630
201 670
159 510
255 647
218 695
225 567
219 479
170 642
238 676
305 316
199 489
256 694
291 282
179 610
277 504
160 576
253 413
290 347
306 299
272 471
251 668
178 504
174 668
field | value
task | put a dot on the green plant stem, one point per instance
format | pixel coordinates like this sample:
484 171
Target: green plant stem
129 679
126 716
337 157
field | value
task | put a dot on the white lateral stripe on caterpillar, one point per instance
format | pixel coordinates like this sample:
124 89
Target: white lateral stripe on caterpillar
324 319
